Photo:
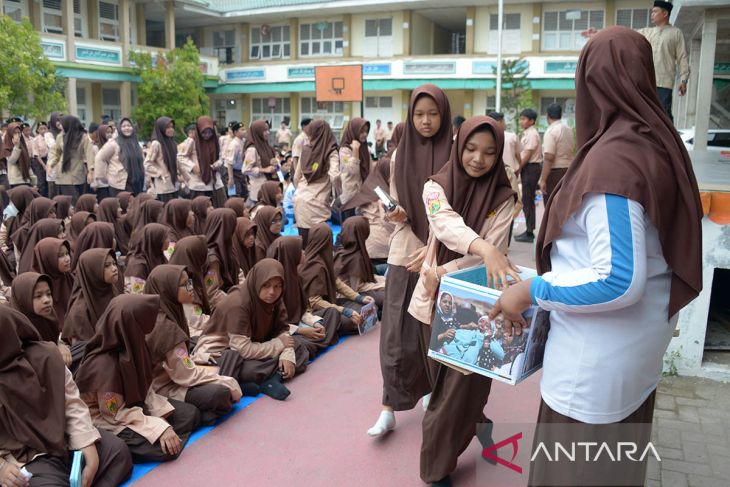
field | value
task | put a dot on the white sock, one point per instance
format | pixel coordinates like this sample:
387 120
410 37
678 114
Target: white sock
426 399
385 423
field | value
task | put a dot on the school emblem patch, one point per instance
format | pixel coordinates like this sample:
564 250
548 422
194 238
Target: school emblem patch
433 203
183 355
111 402
315 166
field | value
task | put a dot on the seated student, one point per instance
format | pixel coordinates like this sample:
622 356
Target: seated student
201 206
270 194
46 227
251 324
238 205
222 265
148 212
192 252
96 285
32 295
38 209
52 257
64 208
175 374
78 222
111 212
352 261
43 417
319 329
86 202
97 235
321 284
178 216
146 256
269 221
244 246
115 379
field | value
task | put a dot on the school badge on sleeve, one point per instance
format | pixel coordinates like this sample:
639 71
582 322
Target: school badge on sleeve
433 203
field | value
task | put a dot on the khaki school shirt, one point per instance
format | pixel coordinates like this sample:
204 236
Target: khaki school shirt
667 44
559 141
531 141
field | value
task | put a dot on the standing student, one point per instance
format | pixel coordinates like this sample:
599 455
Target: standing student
115 379
100 137
179 218
317 172
174 374
192 252
201 206
284 135
244 246
40 157
423 150
233 160
352 261
120 162
319 329
198 161
68 158
613 252
355 159
160 164
222 264
298 145
55 128
558 145
469 206
259 159
18 155
251 324
530 169
149 254
44 420
269 221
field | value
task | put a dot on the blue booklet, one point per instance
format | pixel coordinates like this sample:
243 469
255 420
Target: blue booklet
77 469
369 315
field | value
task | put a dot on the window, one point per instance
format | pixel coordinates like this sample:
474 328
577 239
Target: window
109 20
321 39
378 38
273 109
491 104
634 18
330 111
16 9
378 102
511 38
52 17
270 42
224 45
111 103
561 30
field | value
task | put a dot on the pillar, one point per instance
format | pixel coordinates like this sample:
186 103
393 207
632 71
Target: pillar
406 32
72 105
536 28
294 38
124 31
705 73
67 14
125 97
95 107
246 109
34 14
690 99
294 109
346 35
405 101
471 14
468 103
169 25
244 42
610 17
92 9
141 24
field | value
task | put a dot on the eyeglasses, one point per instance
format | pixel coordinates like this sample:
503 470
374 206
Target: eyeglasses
277 219
188 285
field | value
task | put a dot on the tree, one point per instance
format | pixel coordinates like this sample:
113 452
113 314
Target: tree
171 85
516 92
29 85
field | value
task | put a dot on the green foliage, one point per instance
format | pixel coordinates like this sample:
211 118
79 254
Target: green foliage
29 86
172 86
670 359
516 92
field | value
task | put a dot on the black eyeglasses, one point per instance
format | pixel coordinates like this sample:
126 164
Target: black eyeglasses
188 285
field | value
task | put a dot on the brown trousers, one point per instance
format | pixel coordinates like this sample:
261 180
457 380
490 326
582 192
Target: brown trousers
331 322
553 179
213 401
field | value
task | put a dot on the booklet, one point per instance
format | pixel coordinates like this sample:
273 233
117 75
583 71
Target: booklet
369 315
388 202
77 469
463 337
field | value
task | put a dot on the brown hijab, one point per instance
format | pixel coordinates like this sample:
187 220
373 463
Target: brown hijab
238 205
117 359
288 251
246 256
379 177
353 133
220 232
315 158
90 296
21 197
208 150
86 202
175 216
267 193
101 135
97 235
47 227
45 261
255 137
171 327
318 270
135 205
264 238
38 209
192 252
629 147
420 157
352 258
149 253
24 161
22 300
77 225
32 390
473 198
149 212
124 198
109 212
63 206
395 140
200 205
243 313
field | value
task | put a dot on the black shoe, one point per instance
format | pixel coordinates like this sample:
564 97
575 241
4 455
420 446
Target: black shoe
484 435
444 482
250 389
274 388
527 237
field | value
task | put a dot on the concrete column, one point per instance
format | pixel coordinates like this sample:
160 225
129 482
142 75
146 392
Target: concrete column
125 95
294 109
96 101
67 15
468 108
294 38
346 35
170 25
92 9
141 24
124 30
536 28
471 15
406 32
243 43
690 99
610 18
705 73
246 109
71 102
34 14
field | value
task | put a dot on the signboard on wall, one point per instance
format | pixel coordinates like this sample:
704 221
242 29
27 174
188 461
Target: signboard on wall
338 83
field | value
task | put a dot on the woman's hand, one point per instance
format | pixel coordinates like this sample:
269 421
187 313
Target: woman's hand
355 147
431 279
91 460
196 170
367 299
398 215
65 353
316 332
417 258
448 335
286 368
170 442
514 300
16 140
497 264
11 476
356 318
287 340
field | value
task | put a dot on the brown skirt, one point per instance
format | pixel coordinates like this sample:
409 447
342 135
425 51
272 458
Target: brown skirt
626 472
402 352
